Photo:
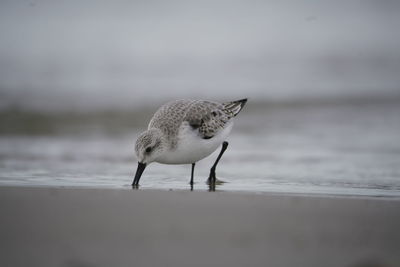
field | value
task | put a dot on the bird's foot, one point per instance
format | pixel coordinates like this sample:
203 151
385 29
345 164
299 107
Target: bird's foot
212 179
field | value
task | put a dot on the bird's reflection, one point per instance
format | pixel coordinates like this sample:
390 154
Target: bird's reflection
212 186
135 187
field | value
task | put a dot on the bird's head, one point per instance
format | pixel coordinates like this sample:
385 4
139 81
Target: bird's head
149 146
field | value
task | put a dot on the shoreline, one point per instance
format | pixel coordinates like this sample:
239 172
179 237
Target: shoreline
218 191
103 227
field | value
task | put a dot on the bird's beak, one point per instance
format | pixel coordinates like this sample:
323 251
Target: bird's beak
139 171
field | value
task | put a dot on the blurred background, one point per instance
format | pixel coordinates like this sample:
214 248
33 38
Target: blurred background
85 55
321 76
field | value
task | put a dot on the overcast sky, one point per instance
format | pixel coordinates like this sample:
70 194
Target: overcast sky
118 54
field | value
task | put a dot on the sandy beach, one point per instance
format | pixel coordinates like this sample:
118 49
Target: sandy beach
107 227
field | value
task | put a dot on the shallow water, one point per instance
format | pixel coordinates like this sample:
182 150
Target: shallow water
345 149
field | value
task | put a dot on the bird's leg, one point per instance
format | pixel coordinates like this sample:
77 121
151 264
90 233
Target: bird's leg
191 178
212 178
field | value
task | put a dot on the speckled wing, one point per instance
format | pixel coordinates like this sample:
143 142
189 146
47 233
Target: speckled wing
169 117
210 117
204 116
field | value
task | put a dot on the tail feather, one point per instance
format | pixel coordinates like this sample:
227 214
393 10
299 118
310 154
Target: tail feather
234 107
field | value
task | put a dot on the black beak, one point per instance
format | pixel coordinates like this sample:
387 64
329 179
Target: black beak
139 171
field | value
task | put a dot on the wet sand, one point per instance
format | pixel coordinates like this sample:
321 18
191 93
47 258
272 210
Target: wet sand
107 227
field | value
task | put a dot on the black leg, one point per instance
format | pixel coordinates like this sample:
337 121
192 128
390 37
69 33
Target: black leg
191 179
212 178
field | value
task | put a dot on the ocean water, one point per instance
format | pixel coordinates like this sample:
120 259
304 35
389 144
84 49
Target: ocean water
350 148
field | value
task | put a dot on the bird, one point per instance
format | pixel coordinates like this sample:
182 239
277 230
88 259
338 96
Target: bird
185 132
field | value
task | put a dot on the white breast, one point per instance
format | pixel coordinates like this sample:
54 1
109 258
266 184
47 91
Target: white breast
191 147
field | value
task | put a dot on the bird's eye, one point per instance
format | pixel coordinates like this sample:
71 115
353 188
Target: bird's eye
148 150
214 113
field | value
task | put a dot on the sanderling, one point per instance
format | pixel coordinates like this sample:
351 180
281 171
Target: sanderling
184 132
